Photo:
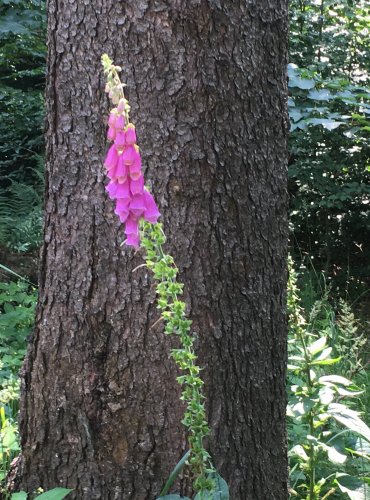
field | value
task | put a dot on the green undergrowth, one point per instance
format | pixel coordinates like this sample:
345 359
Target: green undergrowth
17 308
328 387
328 392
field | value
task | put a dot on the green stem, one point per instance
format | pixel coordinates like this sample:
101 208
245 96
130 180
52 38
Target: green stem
176 323
309 417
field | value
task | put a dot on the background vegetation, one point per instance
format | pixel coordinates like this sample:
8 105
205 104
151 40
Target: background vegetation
329 169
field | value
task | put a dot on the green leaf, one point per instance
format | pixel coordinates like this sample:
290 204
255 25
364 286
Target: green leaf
54 494
320 95
334 455
326 395
173 497
15 274
298 451
335 379
324 362
221 491
325 122
176 471
9 439
345 392
349 419
301 83
324 354
318 346
353 486
21 495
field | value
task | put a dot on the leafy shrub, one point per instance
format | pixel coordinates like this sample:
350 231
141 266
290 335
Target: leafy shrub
17 308
22 75
328 441
21 213
329 178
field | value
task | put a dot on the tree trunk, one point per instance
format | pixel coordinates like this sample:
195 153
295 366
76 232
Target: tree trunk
207 86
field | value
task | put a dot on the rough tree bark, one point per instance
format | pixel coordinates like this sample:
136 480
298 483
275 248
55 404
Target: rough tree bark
207 86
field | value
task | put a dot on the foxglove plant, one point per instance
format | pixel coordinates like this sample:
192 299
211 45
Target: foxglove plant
137 209
123 164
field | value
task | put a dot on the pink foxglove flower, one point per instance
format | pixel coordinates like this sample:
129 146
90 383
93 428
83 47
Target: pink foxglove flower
121 106
112 158
112 118
111 134
132 232
126 186
122 210
130 155
130 134
151 210
137 185
119 141
120 122
137 206
111 189
121 172
123 191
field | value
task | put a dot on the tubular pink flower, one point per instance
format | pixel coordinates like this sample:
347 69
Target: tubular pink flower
130 134
132 159
151 210
121 105
120 122
130 155
112 118
133 240
123 191
112 157
120 140
112 174
122 210
118 191
111 189
111 135
132 232
137 205
137 185
121 172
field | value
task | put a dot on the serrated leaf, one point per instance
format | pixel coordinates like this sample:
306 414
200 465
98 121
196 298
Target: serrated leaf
54 494
349 419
